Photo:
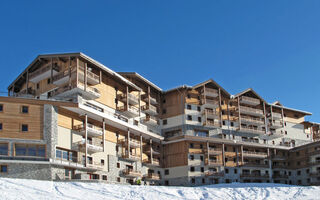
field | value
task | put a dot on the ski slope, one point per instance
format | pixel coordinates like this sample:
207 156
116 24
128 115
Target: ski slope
32 189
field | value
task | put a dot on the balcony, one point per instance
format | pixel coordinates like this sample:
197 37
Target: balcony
131 157
255 164
276 125
314 162
251 111
212 173
253 154
152 176
276 115
215 151
249 101
155 151
43 72
209 92
250 140
26 93
211 123
211 114
210 103
153 101
131 173
132 99
150 120
315 174
130 111
154 162
254 175
93 146
149 109
92 78
133 143
92 130
252 121
196 150
253 131
67 91
215 163
64 76
282 176
95 165
278 157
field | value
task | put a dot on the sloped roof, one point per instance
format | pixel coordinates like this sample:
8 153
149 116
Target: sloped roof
249 90
141 78
213 82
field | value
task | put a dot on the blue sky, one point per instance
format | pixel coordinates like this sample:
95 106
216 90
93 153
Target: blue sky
271 46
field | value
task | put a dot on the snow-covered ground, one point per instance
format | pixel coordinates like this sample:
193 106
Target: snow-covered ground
31 189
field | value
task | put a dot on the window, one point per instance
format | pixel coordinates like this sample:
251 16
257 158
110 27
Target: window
199 108
231 124
102 162
3 168
193 181
38 85
48 81
299 173
203 181
0 126
201 158
189 107
286 132
164 101
104 177
188 96
191 145
164 111
298 153
166 172
308 171
235 171
191 157
223 123
201 146
164 122
189 117
4 149
289 173
202 169
95 176
199 119
166 182
1 107
118 165
24 127
192 169
24 109
118 179
227 171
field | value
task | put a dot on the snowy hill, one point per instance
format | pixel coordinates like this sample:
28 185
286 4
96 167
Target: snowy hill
31 189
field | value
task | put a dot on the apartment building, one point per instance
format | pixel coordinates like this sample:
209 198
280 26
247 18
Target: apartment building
69 117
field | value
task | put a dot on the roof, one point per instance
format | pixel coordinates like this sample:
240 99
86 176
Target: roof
215 83
142 78
249 90
291 109
82 55
177 88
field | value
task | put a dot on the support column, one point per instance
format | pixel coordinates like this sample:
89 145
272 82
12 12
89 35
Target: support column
208 156
77 71
103 134
239 116
265 117
151 156
139 103
127 95
69 68
85 76
223 156
141 149
86 139
270 165
100 77
242 155
51 76
129 144
220 108
237 152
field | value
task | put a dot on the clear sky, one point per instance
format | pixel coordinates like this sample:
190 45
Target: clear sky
271 46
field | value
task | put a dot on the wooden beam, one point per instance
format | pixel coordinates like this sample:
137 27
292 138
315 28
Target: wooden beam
223 155
77 72
103 134
239 113
151 156
241 154
129 144
141 149
85 76
265 117
220 108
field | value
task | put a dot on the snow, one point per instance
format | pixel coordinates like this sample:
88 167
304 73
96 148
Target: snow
32 189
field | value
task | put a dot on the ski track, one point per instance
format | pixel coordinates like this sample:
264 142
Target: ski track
48 190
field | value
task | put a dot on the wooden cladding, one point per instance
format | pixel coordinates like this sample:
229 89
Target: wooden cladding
15 117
